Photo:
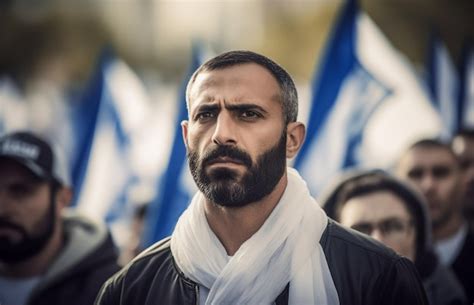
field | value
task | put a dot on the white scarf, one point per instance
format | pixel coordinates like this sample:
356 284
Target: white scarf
285 249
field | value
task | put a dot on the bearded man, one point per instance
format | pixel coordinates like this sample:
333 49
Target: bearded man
253 234
46 256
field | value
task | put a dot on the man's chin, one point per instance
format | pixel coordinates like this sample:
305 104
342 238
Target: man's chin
218 174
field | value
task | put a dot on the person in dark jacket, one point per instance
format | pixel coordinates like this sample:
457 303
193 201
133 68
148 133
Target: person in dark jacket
47 256
253 234
383 207
433 168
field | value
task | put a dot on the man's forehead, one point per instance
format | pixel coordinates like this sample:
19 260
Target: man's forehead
382 204
429 154
429 161
242 85
236 74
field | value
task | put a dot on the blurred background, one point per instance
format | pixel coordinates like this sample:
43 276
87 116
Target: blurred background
64 64
61 39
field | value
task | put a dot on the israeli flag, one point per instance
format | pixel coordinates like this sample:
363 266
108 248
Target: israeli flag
443 82
104 122
176 186
466 96
367 104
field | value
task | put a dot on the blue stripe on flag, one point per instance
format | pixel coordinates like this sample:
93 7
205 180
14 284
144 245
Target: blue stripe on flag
96 112
84 120
338 60
443 83
344 97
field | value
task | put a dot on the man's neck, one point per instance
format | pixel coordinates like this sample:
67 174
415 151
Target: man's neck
233 226
449 228
37 264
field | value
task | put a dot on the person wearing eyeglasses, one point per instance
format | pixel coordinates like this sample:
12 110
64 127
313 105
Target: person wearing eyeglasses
376 204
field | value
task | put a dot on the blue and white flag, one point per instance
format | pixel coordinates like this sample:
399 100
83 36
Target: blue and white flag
443 82
176 186
104 122
367 104
466 96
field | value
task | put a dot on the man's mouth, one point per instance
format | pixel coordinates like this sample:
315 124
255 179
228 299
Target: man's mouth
225 160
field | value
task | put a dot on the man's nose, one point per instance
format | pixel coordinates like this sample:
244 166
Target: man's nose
224 130
427 184
377 234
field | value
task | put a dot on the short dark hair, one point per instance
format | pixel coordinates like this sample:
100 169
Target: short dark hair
288 96
433 143
429 143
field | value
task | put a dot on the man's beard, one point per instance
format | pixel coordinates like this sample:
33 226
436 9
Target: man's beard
444 216
30 243
222 186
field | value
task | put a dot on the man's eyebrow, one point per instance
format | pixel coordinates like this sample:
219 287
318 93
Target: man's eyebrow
207 107
244 107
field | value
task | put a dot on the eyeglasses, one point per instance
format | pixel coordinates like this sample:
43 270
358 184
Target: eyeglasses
389 228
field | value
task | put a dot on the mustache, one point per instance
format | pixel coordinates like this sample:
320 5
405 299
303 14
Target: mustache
227 151
5 224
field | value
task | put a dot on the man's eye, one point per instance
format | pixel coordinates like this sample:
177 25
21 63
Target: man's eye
441 172
250 114
415 173
21 190
365 228
391 226
204 116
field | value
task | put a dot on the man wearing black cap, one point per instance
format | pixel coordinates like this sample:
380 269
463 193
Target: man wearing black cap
45 257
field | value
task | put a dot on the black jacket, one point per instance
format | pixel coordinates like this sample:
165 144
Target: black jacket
88 259
364 273
463 266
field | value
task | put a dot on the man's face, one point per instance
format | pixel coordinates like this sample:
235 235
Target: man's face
26 213
434 171
463 147
235 137
383 216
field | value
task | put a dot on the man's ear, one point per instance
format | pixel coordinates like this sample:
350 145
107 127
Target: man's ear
295 134
63 197
184 130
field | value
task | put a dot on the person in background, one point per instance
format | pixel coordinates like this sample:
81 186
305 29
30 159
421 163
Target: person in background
46 256
253 234
432 167
134 245
378 205
463 146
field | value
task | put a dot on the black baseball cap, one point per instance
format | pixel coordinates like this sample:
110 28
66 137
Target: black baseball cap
35 154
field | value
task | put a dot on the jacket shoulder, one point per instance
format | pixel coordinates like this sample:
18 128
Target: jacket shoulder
151 275
78 273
